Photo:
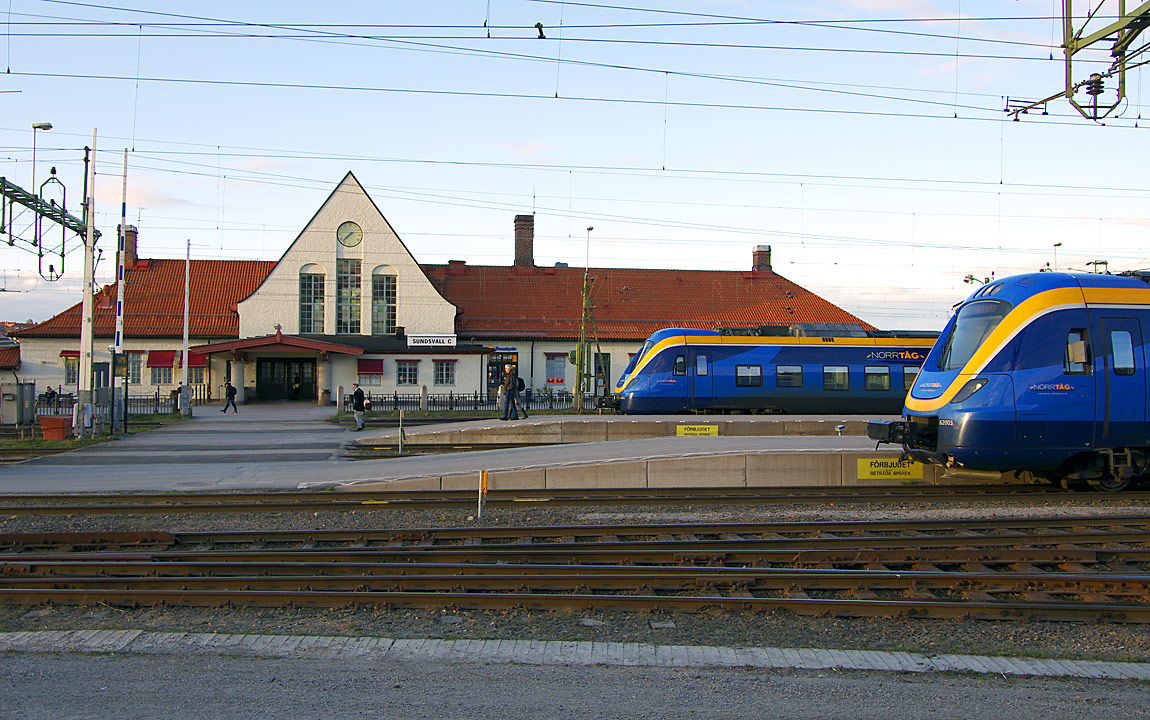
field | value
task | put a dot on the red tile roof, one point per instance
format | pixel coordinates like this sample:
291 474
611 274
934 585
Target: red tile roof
154 306
628 303
493 301
10 357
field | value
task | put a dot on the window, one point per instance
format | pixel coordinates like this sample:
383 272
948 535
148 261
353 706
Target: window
748 376
134 361
382 304
1076 360
836 377
680 365
71 371
909 375
311 303
1123 352
556 368
444 372
370 371
161 376
789 376
877 378
701 365
347 296
195 376
406 372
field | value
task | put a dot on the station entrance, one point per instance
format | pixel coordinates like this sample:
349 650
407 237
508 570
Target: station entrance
285 379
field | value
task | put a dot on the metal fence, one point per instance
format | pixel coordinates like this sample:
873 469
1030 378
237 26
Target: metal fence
157 403
390 402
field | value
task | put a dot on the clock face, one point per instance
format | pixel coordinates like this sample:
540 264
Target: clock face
349 234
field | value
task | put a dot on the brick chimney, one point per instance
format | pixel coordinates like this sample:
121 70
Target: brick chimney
130 256
761 259
524 241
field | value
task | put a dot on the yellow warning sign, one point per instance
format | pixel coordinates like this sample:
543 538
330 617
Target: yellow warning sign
889 468
696 430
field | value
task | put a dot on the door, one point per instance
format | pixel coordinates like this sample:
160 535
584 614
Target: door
1121 404
702 384
285 379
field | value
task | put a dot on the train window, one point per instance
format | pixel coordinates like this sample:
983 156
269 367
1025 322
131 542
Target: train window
877 377
909 374
1123 352
836 377
974 323
700 365
790 376
748 376
1076 360
680 365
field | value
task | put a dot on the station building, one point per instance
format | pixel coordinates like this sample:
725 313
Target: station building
348 302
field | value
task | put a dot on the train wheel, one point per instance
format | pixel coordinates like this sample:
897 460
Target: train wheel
1110 483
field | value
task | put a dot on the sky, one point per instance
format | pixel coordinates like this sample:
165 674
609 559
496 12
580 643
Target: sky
865 141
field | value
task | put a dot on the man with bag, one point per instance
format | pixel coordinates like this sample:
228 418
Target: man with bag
358 404
510 385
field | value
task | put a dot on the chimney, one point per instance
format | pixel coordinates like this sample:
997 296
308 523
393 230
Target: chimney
130 256
761 259
524 241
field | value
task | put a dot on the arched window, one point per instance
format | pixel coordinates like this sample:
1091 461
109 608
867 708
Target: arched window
311 299
383 300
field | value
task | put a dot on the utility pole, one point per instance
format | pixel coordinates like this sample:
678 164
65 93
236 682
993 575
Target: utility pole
185 399
118 347
581 349
83 413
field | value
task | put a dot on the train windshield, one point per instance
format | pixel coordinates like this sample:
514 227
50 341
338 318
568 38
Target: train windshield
973 324
637 357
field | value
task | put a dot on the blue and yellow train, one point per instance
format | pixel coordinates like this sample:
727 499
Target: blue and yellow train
771 369
1042 373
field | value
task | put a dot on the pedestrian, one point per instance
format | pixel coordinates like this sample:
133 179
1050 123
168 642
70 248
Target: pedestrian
510 386
358 405
50 397
230 397
520 387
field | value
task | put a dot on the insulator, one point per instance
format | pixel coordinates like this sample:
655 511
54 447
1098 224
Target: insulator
1094 85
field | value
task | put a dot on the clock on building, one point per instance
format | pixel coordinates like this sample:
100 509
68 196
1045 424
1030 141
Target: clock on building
349 234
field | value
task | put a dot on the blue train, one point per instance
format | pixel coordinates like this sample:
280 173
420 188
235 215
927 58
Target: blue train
771 369
1043 374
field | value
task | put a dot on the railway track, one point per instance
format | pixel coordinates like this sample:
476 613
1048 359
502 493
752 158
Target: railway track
323 501
1081 569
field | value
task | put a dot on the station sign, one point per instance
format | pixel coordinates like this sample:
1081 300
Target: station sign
430 341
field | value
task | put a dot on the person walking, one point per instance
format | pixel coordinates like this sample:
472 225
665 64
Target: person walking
510 387
357 405
230 398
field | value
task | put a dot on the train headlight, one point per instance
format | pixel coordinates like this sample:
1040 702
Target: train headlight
970 388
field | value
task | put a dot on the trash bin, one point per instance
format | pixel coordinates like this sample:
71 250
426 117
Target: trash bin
325 397
175 406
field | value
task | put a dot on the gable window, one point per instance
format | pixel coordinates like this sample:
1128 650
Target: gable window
383 302
310 301
406 372
347 296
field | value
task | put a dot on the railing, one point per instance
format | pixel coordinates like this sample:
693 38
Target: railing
390 402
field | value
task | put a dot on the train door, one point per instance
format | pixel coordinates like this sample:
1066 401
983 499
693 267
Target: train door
702 386
1121 398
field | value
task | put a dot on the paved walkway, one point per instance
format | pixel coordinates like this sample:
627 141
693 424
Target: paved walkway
539 652
293 445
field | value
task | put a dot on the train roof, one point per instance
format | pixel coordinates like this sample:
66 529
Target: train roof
1015 288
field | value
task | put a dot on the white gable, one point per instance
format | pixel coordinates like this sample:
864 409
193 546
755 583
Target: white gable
420 309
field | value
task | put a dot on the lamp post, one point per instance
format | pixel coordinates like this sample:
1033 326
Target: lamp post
1056 246
34 189
581 350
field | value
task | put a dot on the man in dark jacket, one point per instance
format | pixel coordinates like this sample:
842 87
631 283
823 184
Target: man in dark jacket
230 397
357 404
510 384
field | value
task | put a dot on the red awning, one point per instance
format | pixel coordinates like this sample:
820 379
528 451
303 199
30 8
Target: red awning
370 367
195 360
70 353
161 358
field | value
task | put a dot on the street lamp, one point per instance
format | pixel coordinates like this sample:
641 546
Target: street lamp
1056 246
35 127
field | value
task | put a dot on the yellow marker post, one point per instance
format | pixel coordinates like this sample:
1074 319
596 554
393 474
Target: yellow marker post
482 493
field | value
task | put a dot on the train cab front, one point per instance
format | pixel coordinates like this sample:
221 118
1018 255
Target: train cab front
960 412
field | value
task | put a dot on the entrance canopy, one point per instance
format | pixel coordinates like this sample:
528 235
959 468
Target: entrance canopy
276 343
